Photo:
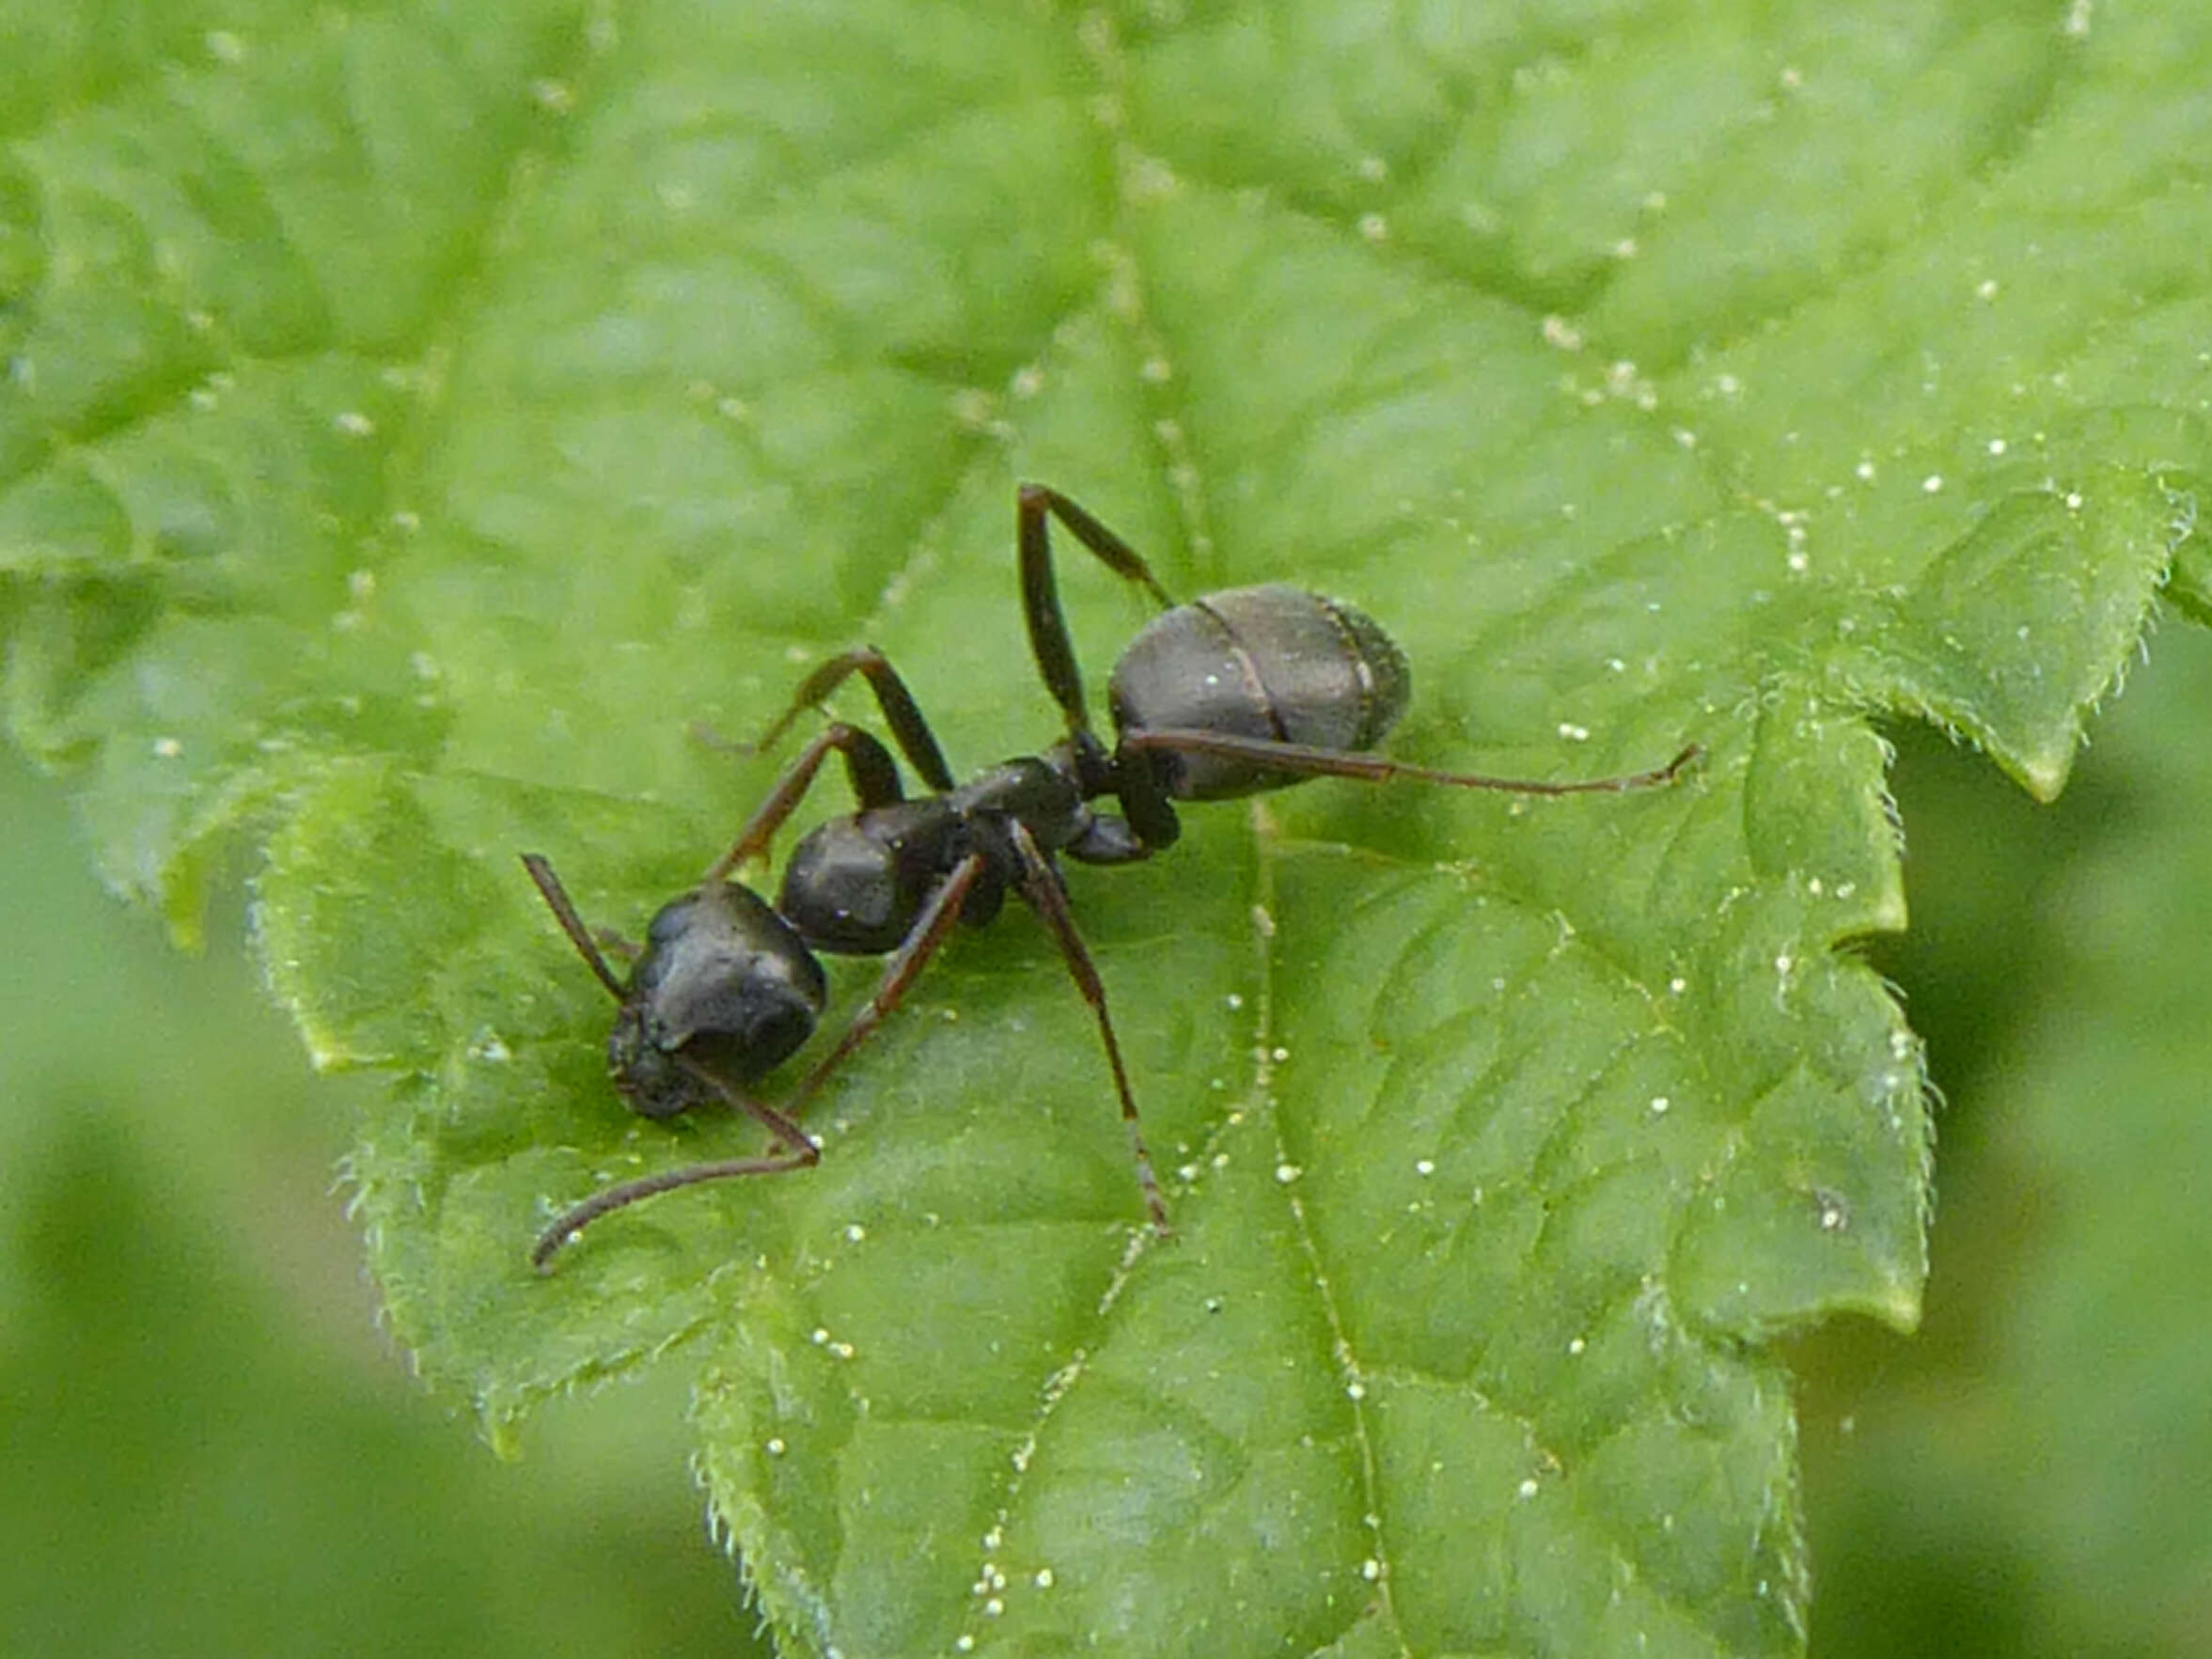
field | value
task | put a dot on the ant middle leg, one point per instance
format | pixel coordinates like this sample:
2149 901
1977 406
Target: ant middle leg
1036 505
868 767
1303 760
923 940
902 713
1040 887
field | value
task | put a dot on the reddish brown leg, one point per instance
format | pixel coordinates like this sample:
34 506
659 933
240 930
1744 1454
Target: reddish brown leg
1312 762
1035 505
1041 887
923 941
867 765
901 713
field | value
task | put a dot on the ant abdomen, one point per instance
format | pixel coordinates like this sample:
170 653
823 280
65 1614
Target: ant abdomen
1273 663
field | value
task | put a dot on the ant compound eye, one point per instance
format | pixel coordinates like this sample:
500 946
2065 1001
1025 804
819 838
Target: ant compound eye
750 1031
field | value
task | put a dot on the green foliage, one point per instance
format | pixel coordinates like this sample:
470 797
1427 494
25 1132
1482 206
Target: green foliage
2024 1476
422 416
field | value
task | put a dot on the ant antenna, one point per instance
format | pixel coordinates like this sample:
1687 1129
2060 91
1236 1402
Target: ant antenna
564 911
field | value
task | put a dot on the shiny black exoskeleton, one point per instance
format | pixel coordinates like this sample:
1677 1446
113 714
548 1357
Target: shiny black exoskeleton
1236 692
1274 664
725 982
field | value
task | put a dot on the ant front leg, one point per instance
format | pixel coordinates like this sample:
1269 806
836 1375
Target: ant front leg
803 1154
1035 505
868 766
1040 887
1306 761
902 713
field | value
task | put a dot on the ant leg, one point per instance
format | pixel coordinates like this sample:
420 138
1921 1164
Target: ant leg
564 911
901 713
1306 761
1041 887
804 1154
1035 504
873 773
923 941
618 944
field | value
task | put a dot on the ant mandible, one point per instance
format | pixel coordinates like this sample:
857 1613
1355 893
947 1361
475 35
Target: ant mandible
1236 692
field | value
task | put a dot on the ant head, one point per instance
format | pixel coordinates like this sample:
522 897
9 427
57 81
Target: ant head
725 989
724 986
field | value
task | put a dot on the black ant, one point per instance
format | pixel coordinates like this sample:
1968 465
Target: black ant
1239 691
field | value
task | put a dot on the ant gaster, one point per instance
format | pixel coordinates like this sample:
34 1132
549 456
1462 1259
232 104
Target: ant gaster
1239 691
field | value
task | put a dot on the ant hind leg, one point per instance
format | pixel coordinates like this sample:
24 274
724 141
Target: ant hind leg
1035 505
1306 761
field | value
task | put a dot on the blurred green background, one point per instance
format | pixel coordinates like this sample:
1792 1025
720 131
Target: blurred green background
212 1448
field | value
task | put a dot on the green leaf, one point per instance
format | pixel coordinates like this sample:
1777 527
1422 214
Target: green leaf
2075 1143
426 419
